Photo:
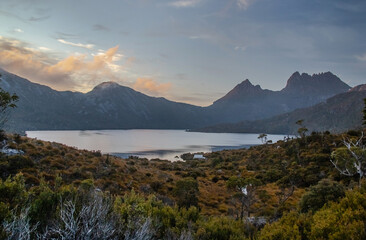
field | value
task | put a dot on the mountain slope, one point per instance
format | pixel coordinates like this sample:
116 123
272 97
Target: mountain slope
112 106
339 113
249 102
107 106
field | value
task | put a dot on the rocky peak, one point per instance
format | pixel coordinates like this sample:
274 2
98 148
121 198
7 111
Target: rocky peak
243 90
246 86
326 83
296 80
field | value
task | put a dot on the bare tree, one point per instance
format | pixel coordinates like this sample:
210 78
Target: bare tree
143 232
186 235
92 221
350 160
19 228
285 194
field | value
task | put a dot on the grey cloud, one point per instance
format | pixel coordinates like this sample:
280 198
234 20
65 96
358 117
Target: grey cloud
38 19
100 27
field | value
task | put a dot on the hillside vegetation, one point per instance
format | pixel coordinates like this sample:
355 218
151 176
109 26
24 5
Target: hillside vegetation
290 187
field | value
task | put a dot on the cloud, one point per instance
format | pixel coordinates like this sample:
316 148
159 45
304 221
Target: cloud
184 3
18 30
88 46
244 4
11 15
16 57
362 57
44 49
194 37
38 19
99 27
75 72
150 86
240 48
63 35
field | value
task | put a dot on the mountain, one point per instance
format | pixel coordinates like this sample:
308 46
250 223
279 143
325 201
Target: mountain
249 102
107 106
112 106
338 113
322 84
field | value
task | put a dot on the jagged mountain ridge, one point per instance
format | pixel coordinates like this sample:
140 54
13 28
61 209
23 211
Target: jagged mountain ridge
112 106
339 113
249 102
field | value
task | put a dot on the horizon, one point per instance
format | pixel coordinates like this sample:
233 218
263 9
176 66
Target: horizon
113 82
191 51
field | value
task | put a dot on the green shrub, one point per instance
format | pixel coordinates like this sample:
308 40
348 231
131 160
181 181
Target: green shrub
318 195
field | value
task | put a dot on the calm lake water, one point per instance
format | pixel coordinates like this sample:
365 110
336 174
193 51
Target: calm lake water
163 144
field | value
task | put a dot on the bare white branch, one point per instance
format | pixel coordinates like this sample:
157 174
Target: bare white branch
355 164
19 228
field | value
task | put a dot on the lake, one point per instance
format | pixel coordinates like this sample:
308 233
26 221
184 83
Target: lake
163 144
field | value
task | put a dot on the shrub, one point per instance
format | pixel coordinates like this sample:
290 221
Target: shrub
19 162
318 195
343 220
220 228
186 191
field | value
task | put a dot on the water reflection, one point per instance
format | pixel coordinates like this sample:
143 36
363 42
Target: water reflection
163 144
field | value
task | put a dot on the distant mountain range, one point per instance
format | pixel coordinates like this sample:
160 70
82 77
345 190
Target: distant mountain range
337 114
107 106
249 102
112 106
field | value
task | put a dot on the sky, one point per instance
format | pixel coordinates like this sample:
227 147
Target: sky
191 51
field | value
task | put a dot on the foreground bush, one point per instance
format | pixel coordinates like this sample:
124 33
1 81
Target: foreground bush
67 212
341 220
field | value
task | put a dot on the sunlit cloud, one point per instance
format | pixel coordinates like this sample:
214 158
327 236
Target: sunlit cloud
150 86
88 46
76 72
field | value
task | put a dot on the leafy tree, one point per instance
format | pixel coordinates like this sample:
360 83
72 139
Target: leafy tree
245 195
364 113
263 138
302 129
186 191
7 101
286 191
